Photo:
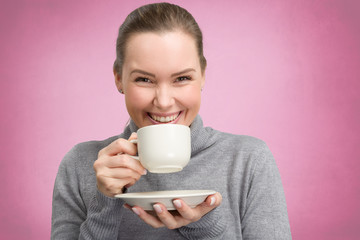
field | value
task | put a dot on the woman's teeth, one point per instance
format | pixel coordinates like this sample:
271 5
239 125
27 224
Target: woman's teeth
164 119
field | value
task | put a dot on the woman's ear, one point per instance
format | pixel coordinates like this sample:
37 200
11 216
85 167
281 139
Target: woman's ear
202 81
118 81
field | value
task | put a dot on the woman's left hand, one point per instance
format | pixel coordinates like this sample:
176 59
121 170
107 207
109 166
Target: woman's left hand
176 219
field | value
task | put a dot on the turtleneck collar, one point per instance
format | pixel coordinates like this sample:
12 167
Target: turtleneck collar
200 136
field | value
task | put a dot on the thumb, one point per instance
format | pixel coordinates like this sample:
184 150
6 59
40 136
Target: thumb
133 136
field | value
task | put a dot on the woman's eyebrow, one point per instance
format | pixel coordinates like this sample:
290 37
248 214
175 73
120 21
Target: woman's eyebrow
142 72
172 75
183 71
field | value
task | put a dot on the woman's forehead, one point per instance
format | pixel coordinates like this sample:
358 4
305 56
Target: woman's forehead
160 42
154 51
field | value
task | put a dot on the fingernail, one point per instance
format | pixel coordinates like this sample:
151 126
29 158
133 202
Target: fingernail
136 211
177 203
144 172
157 208
212 201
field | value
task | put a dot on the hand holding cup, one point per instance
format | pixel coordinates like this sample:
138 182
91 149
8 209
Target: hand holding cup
115 169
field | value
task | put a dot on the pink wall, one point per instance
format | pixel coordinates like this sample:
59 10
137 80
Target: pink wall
284 71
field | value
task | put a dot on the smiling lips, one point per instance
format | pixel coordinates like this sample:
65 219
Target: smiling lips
164 119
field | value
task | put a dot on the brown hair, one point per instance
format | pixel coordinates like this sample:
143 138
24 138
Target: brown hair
157 17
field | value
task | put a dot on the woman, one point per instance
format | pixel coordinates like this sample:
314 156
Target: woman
160 69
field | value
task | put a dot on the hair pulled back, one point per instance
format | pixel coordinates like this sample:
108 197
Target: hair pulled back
157 17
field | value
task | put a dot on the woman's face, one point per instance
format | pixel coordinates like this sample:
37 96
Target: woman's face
161 78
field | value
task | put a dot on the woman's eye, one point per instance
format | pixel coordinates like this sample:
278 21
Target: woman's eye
146 80
183 78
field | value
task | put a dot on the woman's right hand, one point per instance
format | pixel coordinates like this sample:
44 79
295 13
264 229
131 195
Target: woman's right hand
115 169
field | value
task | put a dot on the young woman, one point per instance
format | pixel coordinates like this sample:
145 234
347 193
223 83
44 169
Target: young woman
160 70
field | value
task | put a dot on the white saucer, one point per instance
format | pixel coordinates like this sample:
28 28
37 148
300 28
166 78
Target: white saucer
146 200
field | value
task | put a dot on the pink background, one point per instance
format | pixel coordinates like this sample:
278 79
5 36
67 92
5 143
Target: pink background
287 72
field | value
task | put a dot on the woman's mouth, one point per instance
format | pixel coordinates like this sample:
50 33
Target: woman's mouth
168 118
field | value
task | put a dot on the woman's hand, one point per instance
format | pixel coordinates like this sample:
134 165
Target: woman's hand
176 219
115 169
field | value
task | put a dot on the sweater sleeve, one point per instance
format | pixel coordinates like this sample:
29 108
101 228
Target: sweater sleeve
70 217
210 226
265 215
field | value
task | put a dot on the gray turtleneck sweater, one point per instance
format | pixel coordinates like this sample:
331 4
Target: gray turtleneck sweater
241 168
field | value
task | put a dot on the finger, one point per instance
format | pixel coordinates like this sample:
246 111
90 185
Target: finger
209 204
214 200
147 218
119 146
112 186
127 206
169 220
194 214
123 161
133 136
186 211
118 173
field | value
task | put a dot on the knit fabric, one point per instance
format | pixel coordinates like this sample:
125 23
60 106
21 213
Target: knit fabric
241 168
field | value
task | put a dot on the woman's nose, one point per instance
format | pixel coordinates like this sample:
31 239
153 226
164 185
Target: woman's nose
164 97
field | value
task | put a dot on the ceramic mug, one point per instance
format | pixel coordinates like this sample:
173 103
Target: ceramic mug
164 148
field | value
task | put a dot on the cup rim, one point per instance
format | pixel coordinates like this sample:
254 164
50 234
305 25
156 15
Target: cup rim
165 125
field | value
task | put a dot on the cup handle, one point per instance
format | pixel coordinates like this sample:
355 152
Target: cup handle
134 157
135 141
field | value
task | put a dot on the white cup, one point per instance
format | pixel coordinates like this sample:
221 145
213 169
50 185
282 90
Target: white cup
164 148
